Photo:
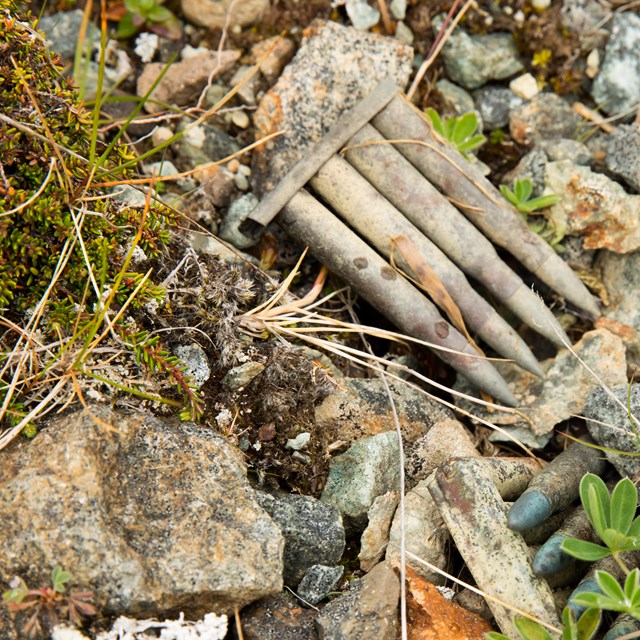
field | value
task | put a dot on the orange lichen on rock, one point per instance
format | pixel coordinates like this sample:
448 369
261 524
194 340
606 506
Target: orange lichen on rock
433 617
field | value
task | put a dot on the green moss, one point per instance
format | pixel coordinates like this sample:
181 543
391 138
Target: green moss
44 141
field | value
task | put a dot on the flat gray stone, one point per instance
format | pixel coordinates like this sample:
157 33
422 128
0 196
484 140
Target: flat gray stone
472 61
368 469
545 117
375 537
318 582
313 532
62 28
150 516
368 612
495 104
334 68
611 426
617 87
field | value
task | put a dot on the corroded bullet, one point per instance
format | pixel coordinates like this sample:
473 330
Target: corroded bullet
309 222
369 213
478 199
470 503
430 211
623 625
556 486
550 558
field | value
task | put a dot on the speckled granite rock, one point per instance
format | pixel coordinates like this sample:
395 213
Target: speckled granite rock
617 87
545 117
149 515
333 70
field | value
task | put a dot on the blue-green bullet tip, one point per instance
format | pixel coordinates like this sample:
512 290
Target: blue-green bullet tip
529 510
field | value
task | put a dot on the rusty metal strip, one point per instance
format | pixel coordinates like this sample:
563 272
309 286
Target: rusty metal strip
306 168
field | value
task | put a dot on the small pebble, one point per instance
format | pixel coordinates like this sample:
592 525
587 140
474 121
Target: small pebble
299 442
240 119
540 5
241 182
525 86
301 458
593 64
161 135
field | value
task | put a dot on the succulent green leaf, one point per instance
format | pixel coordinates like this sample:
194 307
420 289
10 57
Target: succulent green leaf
631 585
509 195
610 586
598 601
159 14
126 26
624 500
494 635
522 189
588 624
596 501
584 550
616 541
436 121
634 529
531 630
471 143
464 127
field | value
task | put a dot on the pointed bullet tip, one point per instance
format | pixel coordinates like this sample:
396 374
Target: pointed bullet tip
528 511
550 558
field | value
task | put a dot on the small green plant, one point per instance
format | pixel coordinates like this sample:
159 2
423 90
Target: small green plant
151 16
613 517
582 629
459 131
48 605
521 198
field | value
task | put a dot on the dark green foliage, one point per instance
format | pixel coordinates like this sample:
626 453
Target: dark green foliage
50 123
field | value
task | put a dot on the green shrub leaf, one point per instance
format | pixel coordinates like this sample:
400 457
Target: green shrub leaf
596 501
531 630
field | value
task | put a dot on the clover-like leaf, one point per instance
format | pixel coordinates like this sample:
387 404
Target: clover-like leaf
59 578
624 500
16 594
522 189
531 630
583 550
464 127
596 501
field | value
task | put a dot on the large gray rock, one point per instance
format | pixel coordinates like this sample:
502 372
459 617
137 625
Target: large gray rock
332 71
149 515
313 532
368 612
623 154
472 61
617 87
360 407
611 426
368 469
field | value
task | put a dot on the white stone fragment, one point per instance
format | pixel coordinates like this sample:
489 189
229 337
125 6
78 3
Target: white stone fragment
525 86
146 46
362 15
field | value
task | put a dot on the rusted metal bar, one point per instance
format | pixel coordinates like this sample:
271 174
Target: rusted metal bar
478 199
399 181
312 224
301 173
475 514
